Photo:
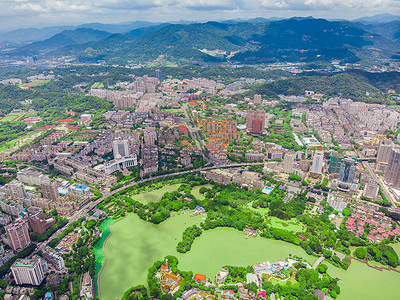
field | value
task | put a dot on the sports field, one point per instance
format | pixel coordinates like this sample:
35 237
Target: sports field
10 118
33 84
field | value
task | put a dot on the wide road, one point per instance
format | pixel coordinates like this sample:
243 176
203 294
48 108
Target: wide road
196 136
384 187
83 211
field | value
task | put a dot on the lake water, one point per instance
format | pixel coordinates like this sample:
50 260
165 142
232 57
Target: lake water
135 245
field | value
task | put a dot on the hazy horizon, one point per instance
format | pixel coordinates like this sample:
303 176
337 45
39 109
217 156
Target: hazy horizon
43 13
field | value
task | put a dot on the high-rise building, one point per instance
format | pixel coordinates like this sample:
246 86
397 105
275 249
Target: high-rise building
150 136
347 173
17 233
49 190
211 126
335 161
392 173
27 271
257 99
384 151
159 75
16 190
255 121
318 161
288 162
121 148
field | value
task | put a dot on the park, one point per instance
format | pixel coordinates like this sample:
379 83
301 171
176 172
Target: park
135 244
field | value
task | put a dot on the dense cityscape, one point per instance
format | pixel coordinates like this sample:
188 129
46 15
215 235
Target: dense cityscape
170 178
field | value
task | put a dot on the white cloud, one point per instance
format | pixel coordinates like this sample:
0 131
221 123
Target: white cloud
28 12
347 3
128 4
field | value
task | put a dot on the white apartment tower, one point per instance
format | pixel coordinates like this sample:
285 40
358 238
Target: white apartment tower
16 190
318 161
27 271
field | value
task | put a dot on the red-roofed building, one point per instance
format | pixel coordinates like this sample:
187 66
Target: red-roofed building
396 231
350 221
72 127
66 121
262 294
381 230
350 228
164 268
46 127
371 238
199 278
374 231
361 223
385 235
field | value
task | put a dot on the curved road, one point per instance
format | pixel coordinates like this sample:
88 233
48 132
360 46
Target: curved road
83 211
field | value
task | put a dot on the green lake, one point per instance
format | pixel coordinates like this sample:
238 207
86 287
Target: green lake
135 245
362 282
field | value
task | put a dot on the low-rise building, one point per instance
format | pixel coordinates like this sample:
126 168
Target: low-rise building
54 258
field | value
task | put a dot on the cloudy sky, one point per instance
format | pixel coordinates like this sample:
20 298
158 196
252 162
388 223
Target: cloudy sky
27 13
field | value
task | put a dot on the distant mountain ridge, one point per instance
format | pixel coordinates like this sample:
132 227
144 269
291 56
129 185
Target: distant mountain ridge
390 30
39 34
65 38
26 35
285 40
381 18
293 40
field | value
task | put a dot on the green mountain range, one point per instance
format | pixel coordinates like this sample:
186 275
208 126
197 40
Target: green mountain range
293 40
63 39
390 30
